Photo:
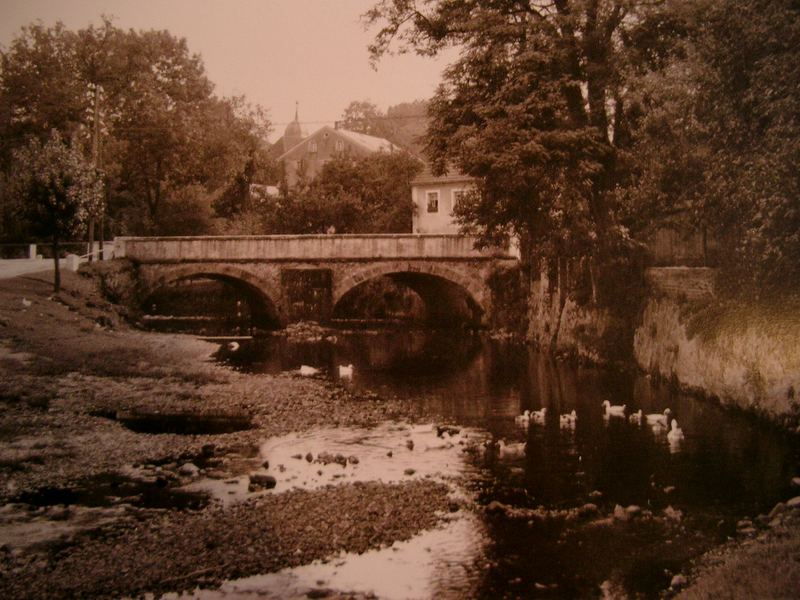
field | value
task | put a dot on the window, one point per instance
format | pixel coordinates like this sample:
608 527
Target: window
312 146
433 202
458 196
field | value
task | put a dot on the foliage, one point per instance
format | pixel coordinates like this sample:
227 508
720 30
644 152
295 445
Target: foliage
535 108
720 141
147 101
403 124
350 195
56 190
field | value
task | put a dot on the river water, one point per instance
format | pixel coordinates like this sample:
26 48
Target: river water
604 506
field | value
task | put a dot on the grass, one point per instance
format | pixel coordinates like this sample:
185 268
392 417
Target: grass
766 570
775 319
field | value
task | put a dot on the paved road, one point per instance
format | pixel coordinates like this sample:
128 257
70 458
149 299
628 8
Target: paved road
23 266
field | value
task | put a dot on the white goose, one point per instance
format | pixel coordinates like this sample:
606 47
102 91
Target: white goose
524 419
636 418
675 435
511 451
568 420
346 371
538 416
614 410
307 371
659 419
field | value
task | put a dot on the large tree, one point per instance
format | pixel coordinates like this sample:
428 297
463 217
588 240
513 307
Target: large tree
140 104
350 195
535 107
56 191
719 143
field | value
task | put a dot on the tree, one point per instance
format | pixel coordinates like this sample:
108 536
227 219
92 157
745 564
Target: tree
720 140
402 124
56 189
363 116
140 104
535 108
350 195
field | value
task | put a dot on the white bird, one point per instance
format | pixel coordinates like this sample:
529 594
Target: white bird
614 410
675 435
538 416
346 371
26 303
510 450
636 418
523 419
568 420
307 371
659 419
233 346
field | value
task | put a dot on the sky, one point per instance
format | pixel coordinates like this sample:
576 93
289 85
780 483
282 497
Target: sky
274 52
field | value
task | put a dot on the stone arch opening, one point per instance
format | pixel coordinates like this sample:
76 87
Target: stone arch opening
434 301
212 302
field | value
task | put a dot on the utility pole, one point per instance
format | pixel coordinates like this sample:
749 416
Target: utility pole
96 162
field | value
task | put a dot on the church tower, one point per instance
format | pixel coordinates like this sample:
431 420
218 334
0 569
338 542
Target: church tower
293 134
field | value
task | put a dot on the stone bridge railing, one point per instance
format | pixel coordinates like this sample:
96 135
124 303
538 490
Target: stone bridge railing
302 247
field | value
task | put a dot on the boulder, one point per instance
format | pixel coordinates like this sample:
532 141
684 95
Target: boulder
189 470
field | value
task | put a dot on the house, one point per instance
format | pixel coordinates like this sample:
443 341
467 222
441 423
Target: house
304 156
434 197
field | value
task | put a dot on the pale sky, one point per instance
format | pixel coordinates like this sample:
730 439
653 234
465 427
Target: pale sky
275 52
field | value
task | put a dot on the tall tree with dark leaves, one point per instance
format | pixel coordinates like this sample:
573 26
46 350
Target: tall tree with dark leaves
534 108
719 141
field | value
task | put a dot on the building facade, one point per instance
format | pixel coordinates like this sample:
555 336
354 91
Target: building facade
304 156
434 198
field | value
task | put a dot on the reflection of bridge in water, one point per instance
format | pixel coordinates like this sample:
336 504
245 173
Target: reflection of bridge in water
292 278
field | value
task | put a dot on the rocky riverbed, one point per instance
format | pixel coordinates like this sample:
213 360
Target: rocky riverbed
132 464
102 428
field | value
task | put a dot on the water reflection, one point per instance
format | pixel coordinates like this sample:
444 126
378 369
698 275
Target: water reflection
685 496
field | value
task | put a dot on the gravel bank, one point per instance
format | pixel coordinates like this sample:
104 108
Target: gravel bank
71 370
151 551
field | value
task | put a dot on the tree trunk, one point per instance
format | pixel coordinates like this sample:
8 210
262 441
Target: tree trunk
56 270
90 252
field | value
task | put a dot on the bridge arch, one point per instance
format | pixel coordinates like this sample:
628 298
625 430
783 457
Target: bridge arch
262 296
450 295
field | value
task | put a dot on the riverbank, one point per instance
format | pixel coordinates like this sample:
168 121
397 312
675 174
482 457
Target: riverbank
742 352
74 375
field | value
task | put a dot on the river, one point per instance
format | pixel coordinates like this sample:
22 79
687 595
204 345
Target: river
598 506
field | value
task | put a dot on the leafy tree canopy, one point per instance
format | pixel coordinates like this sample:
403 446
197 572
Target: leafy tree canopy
143 104
56 190
719 142
350 195
535 107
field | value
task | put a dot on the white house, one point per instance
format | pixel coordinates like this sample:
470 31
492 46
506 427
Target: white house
434 198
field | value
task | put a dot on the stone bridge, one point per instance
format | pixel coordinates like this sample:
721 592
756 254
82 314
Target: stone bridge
297 277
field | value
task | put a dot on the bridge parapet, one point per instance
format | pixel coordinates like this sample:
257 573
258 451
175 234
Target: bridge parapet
302 247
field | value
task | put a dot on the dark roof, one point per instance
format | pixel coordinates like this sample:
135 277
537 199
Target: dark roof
452 175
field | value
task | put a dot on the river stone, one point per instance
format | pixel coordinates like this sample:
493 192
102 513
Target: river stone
776 510
633 510
794 502
189 469
263 481
796 481
678 581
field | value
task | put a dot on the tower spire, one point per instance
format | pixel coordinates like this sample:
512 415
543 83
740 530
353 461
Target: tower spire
296 107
